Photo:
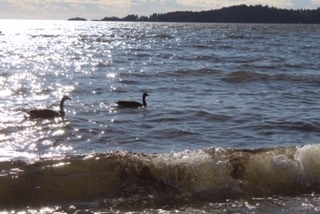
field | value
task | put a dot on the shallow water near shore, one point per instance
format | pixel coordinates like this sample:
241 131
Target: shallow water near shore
231 124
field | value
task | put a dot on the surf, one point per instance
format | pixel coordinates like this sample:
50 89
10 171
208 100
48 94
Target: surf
213 174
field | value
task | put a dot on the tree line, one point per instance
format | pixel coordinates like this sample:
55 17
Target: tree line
233 14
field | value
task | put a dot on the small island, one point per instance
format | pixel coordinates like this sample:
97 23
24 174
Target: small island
77 19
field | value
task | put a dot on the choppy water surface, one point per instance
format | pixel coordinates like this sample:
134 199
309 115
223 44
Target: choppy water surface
235 100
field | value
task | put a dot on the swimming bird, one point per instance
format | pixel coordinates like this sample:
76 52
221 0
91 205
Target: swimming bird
47 113
133 104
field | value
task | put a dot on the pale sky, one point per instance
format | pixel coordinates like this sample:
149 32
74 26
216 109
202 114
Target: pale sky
98 9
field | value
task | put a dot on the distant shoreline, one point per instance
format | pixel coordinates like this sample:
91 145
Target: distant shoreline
233 14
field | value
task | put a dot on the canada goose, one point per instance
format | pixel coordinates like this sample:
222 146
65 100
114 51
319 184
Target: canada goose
133 104
47 113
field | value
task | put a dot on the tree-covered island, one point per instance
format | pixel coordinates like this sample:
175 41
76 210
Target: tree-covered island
77 19
234 14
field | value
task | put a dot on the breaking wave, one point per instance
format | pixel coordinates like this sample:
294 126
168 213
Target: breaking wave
154 179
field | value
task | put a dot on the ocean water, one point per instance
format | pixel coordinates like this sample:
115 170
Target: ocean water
232 122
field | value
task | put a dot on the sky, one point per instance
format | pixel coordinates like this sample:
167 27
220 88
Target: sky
98 9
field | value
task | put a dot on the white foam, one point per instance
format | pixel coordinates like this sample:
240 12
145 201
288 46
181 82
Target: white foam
309 159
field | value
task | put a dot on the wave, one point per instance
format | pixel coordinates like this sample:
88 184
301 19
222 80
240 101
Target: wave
242 76
197 72
45 36
212 175
163 36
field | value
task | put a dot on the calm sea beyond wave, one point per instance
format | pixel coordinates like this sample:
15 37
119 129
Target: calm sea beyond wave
231 124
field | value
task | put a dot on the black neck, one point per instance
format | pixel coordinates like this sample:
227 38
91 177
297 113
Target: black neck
61 107
144 101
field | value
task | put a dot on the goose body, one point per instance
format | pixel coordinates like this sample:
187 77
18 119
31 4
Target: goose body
48 113
133 104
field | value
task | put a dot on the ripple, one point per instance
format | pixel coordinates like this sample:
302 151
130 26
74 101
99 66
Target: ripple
206 88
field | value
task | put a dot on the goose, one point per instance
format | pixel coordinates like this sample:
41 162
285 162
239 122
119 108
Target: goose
133 104
48 113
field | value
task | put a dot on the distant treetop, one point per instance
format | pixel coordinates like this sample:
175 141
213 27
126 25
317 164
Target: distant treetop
233 14
77 19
